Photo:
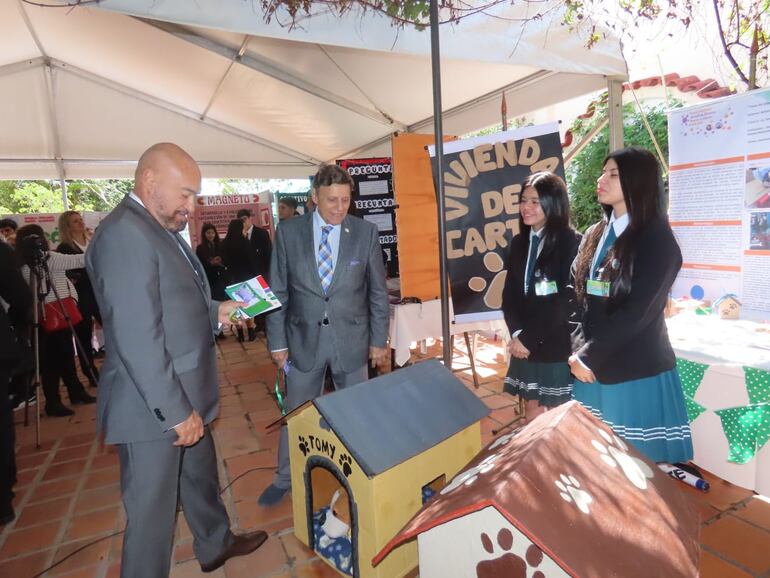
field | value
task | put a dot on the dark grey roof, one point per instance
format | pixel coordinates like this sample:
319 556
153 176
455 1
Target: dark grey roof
387 420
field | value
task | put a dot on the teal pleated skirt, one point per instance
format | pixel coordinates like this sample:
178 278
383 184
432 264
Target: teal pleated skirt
548 383
648 413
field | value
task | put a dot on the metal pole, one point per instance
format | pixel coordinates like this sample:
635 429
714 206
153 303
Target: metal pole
34 282
65 200
438 132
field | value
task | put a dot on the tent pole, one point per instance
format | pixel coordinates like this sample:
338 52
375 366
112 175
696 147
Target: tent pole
63 183
438 131
64 199
615 112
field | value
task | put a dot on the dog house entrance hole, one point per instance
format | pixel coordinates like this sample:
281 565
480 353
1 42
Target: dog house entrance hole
333 520
432 488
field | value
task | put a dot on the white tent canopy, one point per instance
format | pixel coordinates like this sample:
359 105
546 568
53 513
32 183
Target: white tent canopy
84 91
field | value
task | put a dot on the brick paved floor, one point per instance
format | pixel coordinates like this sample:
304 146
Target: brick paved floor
68 494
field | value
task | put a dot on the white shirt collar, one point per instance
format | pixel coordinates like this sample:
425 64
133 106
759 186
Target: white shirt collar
619 224
538 234
132 194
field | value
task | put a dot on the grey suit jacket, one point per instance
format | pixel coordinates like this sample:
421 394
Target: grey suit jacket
159 322
356 304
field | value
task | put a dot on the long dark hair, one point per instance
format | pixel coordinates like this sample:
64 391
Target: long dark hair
642 185
554 200
234 242
210 226
234 236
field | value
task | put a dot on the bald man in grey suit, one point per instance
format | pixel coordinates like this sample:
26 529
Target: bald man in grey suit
328 273
158 388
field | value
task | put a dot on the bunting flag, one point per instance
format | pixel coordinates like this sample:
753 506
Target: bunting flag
691 374
694 409
757 384
747 430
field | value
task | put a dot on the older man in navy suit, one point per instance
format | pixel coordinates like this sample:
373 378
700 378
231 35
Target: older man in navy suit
327 271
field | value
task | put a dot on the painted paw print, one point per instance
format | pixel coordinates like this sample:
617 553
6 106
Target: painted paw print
615 453
509 564
346 464
303 447
569 490
494 295
469 476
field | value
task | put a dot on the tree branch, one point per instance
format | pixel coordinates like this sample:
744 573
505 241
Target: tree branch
727 52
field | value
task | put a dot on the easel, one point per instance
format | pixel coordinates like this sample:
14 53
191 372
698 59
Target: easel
471 347
522 405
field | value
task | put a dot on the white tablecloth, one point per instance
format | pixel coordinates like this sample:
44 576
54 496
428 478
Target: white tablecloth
418 321
725 346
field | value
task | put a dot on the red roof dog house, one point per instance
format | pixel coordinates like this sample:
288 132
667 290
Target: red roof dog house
562 497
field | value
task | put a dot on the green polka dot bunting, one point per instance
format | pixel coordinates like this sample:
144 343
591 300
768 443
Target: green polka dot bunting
757 384
747 429
694 409
691 374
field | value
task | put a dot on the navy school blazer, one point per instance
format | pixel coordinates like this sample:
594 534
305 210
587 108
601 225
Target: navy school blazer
543 319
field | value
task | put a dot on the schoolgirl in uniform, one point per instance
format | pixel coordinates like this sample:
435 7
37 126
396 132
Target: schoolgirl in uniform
626 370
538 298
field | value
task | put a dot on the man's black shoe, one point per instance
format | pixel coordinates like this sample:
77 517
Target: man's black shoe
240 546
7 516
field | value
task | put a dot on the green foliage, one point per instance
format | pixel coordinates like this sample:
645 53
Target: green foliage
46 196
586 166
29 197
739 21
414 12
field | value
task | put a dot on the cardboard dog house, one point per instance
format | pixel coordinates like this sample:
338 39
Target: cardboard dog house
364 459
562 497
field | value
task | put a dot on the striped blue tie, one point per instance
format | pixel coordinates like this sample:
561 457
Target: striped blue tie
325 270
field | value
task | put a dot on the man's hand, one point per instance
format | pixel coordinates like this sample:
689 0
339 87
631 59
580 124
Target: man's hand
377 355
226 309
280 357
517 349
189 431
580 371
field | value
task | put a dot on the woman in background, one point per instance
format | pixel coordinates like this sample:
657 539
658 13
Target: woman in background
74 241
57 357
538 298
241 262
209 252
626 370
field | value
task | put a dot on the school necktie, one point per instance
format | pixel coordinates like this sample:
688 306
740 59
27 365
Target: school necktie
534 241
325 270
608 241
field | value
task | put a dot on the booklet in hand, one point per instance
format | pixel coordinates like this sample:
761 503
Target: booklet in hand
255 295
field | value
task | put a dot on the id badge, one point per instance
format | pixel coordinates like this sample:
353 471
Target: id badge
598 288
545 287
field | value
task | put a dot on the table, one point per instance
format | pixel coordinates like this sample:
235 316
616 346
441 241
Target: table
417 321
725 347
